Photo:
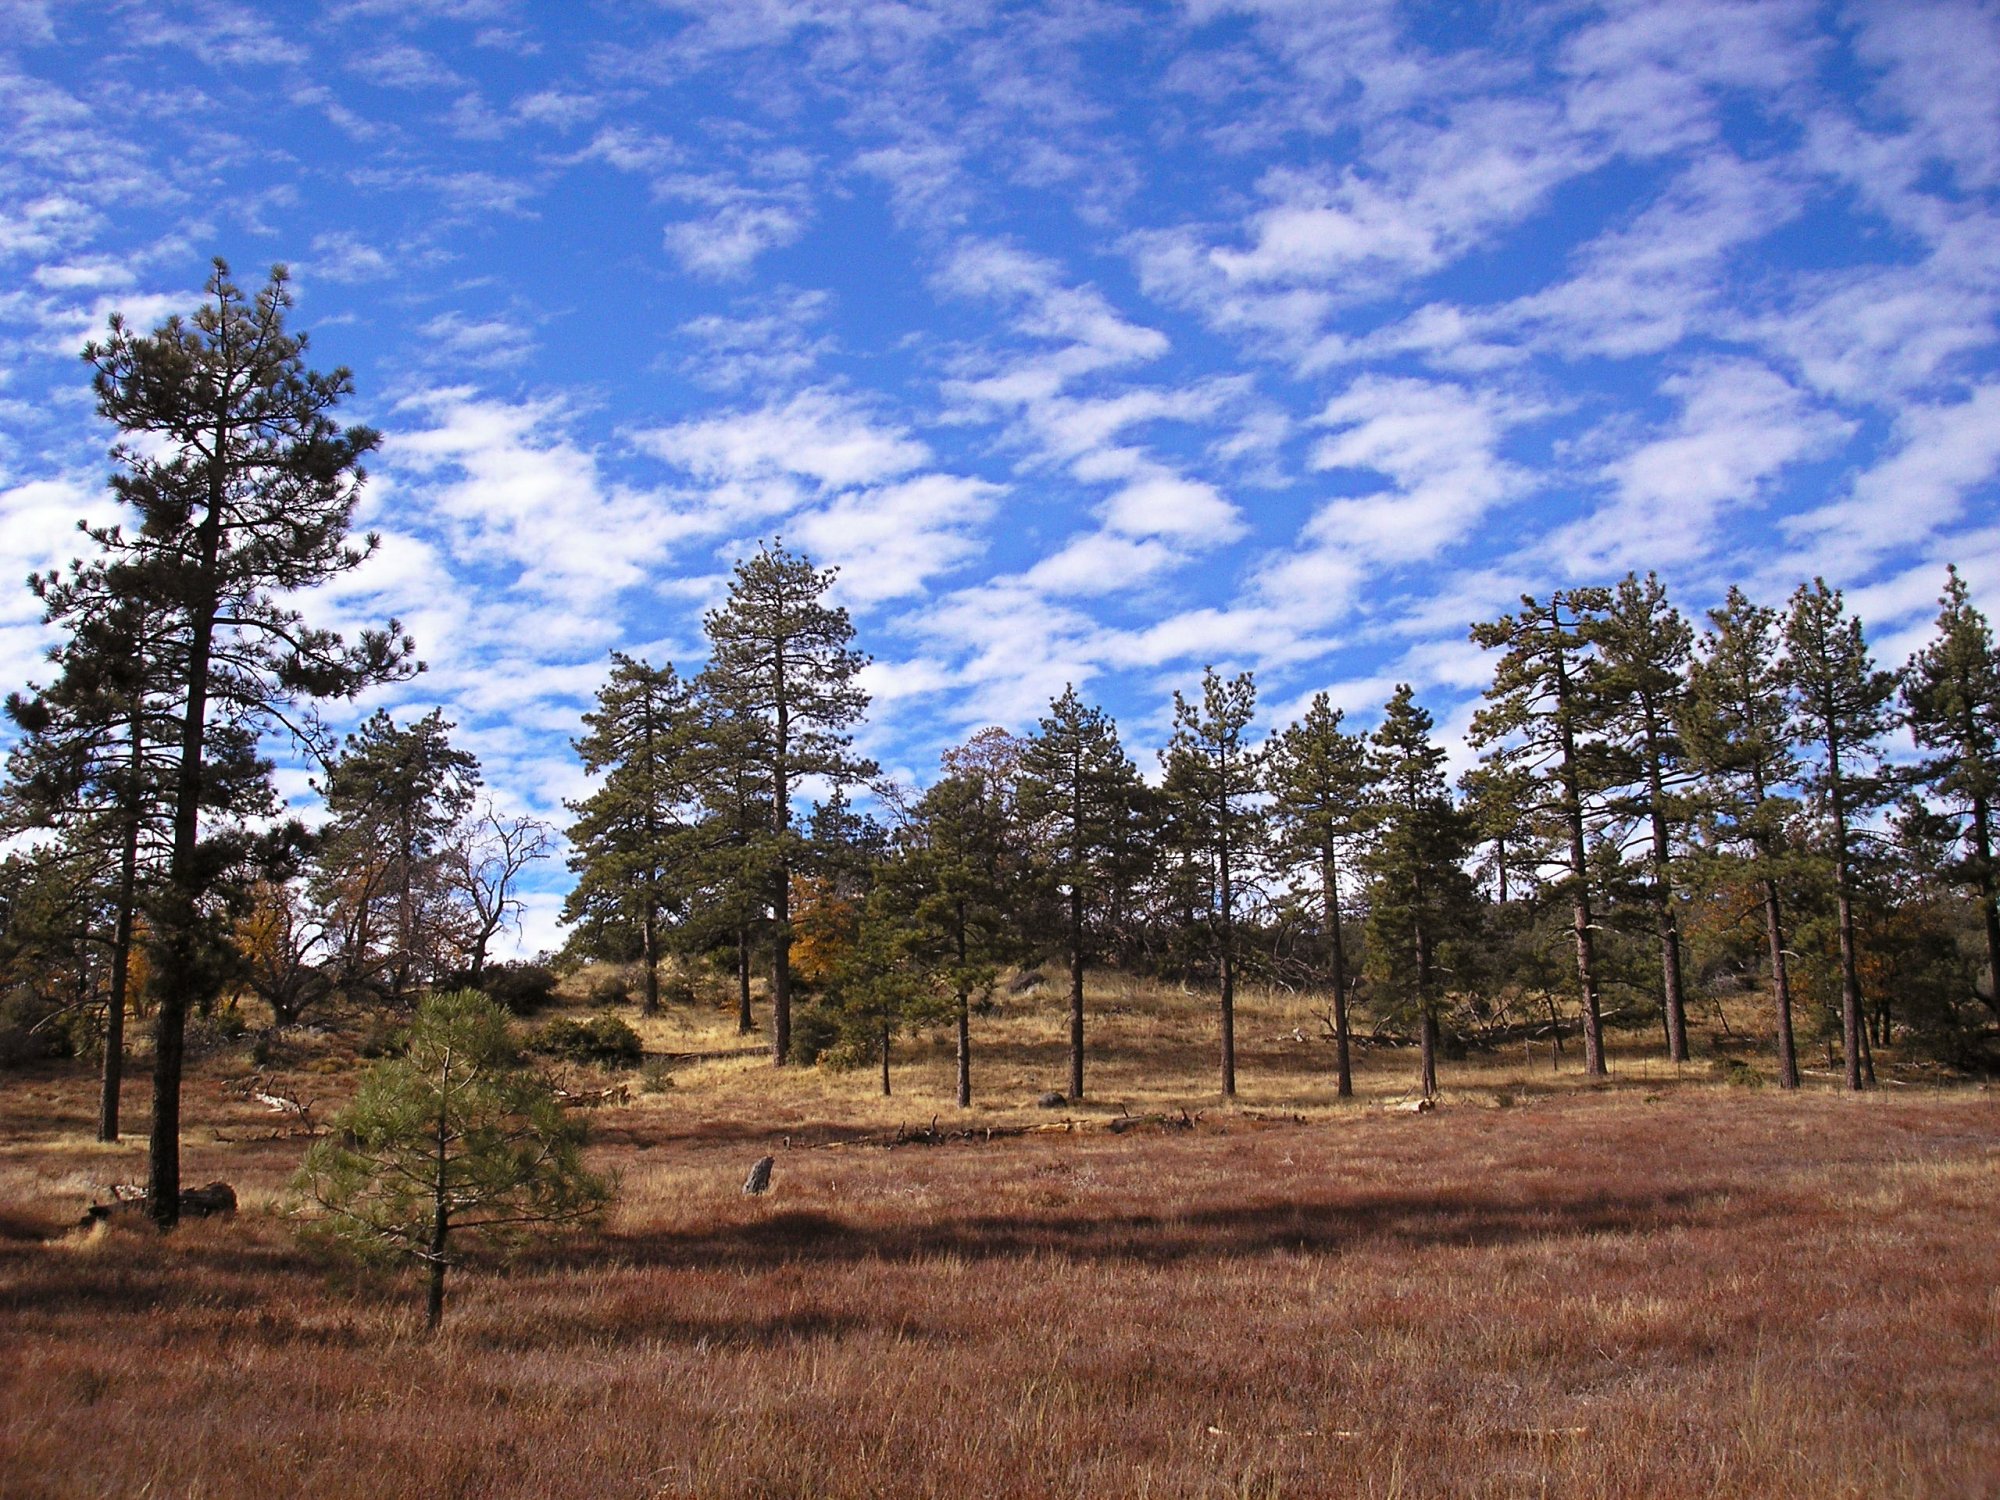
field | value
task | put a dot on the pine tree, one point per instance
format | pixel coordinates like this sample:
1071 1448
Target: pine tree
1951 694
95 767
1077 791
1646 644
1546 715
395 797
1734 728
1215 774
782 659
956 885
452 1138
244 487
635 838
1318 778
1841 709
1420 900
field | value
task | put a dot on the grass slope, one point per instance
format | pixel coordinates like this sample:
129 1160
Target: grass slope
1659 1288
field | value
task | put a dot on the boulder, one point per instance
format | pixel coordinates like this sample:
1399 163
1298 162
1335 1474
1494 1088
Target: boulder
759 1180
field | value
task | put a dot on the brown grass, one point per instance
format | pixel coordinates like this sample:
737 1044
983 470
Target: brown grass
1652 1289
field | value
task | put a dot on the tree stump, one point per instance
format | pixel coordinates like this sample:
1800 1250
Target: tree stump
759 1180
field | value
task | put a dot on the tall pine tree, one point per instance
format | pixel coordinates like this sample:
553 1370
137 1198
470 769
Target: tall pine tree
244 487
1646 644
1841 710
1215 774
1318 777
1951 695
1077 792
783 660
1546 715
1420 900
635 838
1735 728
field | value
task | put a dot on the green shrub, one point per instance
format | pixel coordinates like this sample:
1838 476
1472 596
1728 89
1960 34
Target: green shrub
521 988
654 1076
608 988
815 1032
604 1040
31 1028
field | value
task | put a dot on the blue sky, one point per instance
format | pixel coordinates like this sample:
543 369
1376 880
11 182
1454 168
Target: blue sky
1094 342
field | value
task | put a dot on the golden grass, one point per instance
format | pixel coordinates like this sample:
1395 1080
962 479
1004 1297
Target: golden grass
1646 1289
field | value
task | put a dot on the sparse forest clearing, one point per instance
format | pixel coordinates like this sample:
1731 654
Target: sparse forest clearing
1660 1287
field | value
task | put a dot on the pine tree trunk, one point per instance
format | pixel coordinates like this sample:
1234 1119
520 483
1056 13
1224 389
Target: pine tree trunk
1228 975
1428 1031
1075 992
1989 898
649 951
440 1215
1667 923
781 902
744 1024
113 1079
1781 988
1579 868
1342 1052
1851 1040
885 1057
964 1049
178 971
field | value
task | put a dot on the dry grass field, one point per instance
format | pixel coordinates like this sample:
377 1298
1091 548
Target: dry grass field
1661 1287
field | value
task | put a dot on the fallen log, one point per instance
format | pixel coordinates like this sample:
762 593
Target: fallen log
216 1199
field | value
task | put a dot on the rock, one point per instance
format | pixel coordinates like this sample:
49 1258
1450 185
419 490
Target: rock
1417 1106
759 1180
1025 981
1052 1100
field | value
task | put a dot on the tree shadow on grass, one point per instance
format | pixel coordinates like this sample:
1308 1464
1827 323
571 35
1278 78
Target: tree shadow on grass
1327 1226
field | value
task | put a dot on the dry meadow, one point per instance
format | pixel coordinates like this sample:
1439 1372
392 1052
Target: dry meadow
1667 1286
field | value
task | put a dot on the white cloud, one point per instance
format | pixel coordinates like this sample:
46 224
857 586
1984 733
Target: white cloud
890 542
509 487
1741 426
772 347
1944 455
1437 443
453 339
817 434
1939 62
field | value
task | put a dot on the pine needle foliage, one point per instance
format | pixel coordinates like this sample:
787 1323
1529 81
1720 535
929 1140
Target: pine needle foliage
455 1138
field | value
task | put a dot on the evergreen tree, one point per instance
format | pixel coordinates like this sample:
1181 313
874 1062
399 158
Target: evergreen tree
95 768
956 885
783 660
1214 775
1498 796
1841 709
1546 715
1420 900
731 897
1317 774
1951 695
453 1137
1077 790
1734 727
244 487
635 838
1646 644
396 797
